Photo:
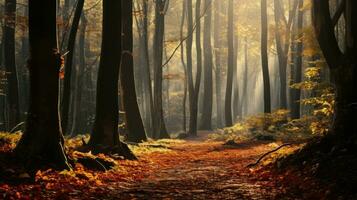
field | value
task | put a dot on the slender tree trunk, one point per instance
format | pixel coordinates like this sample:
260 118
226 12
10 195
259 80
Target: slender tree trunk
229 85
77 128
264 54
244 100
133 118
147 82
69 65
194 114
159 124
42 141
237 106
218 53
295 108
184 8
282 57
10 64
206 122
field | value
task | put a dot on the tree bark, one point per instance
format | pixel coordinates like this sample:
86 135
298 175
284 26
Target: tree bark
10 63
133 120
159 124
229 85
295 107
264 54
218 56
69 65
42 142
343 66
206 121
237 105
105 130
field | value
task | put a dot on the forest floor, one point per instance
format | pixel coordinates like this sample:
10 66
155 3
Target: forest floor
173 169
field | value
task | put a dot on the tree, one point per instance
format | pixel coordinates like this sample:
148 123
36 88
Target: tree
343 65
10 64
218 55
159 129
264 54
144 37
193 84
78 111
229 86
184 65
237 105
244 101
206 121
283 28
105 135
133 119
69 65
42 142
296 95
194 112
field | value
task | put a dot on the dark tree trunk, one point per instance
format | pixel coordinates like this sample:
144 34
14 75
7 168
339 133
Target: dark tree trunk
194 112
283 45
295 107
10 64
133 120
42 141
343 66
146 72
229 86
237 106
244 101
184 8
218 55
264 54
69 65
78 119
105 130
206 121
191 89
159 123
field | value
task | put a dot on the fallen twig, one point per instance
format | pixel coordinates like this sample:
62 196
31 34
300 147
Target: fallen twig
266 154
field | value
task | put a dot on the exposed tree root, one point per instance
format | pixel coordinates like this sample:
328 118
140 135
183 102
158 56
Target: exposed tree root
266 154
117 151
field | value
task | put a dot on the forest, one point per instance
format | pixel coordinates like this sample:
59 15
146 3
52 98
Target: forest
178 99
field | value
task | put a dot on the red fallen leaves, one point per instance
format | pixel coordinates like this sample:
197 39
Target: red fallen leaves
190 168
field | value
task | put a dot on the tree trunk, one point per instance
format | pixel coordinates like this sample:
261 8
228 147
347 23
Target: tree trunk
133 118
229 85
159 124
184 66
206 121
244 100
218 53
69 65
237 106
343 66
295 107
264 54
10 63
194 114
105 130
42 141
189 41
78 119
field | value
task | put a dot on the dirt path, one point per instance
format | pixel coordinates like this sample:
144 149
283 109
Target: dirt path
197 169
190 169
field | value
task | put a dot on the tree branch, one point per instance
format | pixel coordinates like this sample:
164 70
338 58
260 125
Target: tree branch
325 34
338 13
